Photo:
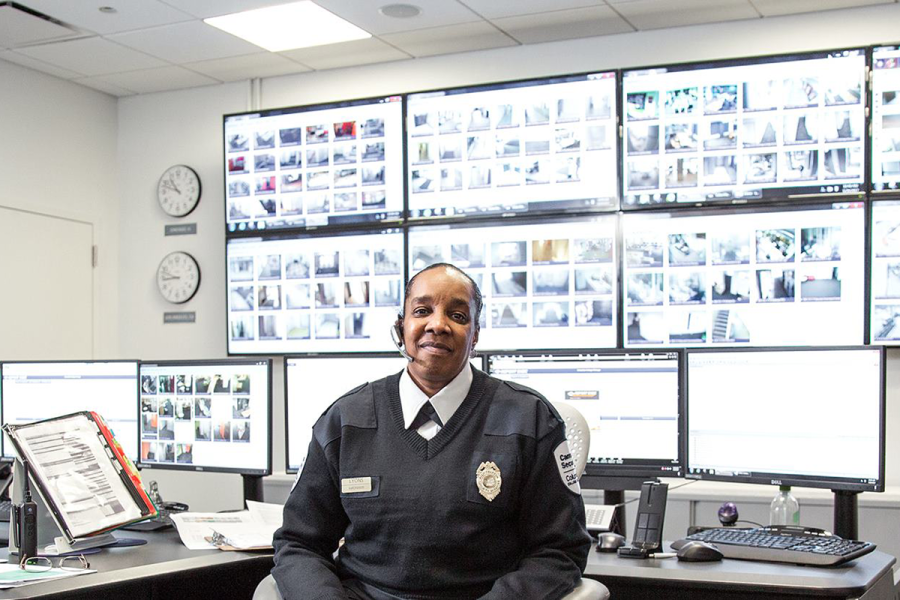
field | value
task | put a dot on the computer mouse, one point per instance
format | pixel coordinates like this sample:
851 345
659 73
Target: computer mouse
697 551
609 541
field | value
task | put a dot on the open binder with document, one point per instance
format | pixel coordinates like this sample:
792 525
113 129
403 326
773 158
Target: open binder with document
85 484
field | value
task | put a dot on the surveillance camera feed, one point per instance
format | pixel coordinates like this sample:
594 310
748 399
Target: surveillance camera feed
884 321
518 147
751 129
547 284
206 415
314 166
314 293
886 119
768 277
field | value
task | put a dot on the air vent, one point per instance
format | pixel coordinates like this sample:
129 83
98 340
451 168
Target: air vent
22 26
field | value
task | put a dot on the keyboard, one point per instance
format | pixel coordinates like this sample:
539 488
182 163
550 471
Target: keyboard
784 544
5 510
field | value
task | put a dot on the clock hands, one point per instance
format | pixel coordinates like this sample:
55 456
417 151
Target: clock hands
172 183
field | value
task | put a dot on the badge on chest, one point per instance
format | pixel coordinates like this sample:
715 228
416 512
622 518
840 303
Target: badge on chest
488 479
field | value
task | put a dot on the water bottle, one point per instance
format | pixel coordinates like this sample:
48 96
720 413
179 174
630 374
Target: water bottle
784 510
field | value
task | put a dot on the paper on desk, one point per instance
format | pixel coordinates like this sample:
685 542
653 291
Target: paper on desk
12 576
251 528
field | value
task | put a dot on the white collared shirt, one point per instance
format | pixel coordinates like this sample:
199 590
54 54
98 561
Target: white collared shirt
445 402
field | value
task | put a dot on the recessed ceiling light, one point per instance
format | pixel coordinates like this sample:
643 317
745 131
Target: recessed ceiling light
107 10
288 26
400 11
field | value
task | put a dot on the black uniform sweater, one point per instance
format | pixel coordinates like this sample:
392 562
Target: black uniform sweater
423 530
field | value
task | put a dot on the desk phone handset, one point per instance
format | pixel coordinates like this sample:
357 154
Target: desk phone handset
25 518
648 525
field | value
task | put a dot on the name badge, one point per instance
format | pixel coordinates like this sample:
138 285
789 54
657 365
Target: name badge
356 485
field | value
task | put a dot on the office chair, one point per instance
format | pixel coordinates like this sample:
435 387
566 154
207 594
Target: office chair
579 437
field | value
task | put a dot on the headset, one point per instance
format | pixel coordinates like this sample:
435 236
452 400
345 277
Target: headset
397 337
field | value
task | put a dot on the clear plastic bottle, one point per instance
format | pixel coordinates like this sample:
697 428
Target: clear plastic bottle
784 510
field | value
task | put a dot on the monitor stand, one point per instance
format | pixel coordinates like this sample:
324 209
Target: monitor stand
253 488
614 494
846 518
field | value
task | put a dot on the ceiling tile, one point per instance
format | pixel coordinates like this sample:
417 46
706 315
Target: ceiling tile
214 8
38 65
91 56
238 68
564 25
129 15
346 54
186 42
103 86
496 9
445 40
19 27
772 8
365 15
157 80
659 14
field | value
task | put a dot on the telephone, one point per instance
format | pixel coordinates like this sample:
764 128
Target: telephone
648 525
599 517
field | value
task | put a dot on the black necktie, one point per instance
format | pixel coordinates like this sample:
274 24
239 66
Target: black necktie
426 413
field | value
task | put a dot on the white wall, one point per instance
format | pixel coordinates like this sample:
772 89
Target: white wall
158 130
58 158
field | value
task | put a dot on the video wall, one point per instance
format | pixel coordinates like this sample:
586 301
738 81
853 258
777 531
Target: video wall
722 203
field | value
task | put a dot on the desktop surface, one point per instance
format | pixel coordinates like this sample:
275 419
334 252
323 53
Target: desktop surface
162 568
671 579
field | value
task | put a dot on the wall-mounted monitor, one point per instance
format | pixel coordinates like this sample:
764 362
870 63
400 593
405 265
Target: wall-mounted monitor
314 293
803 417
207 415
546 284
520 147
313 383
886 119
884 324
630 400
745 130
33 391
314 166
764 277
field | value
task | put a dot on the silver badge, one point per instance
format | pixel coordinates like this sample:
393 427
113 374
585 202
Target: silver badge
488 479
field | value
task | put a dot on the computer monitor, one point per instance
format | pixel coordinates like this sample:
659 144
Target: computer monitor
810 417
314 293
884 322
207 415
312 383
33 391
787 276
550 283
314 166
886 119
631 401
521 147
750 129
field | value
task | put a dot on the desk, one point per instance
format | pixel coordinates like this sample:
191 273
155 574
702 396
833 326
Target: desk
869 577
161 569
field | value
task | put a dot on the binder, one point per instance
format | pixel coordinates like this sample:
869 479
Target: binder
82 476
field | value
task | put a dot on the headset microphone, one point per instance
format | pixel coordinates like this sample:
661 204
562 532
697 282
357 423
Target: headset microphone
398 341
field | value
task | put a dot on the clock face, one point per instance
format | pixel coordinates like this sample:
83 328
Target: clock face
178 190
178 277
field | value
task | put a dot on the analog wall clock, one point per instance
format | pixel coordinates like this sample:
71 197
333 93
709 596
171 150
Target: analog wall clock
178 277
178 190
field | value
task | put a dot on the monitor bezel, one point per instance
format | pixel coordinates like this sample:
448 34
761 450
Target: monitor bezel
329 355
155 466
302 108
137 363
615 202
781 194
596 475
792 479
